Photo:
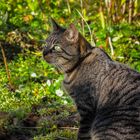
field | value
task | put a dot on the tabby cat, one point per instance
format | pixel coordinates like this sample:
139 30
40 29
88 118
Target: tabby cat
106 93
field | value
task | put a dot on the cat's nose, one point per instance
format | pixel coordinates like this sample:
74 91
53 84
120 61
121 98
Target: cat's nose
45 51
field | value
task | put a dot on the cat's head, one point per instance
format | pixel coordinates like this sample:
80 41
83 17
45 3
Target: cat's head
65 47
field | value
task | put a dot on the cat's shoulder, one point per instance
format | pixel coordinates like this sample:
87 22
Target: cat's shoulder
97 54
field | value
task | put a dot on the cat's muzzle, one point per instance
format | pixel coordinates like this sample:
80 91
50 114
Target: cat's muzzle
46 51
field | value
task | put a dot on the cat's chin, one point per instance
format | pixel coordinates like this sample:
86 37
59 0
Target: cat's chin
49 62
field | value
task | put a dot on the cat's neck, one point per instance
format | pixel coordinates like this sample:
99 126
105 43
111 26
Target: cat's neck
73 73
68 77
85 50
94 58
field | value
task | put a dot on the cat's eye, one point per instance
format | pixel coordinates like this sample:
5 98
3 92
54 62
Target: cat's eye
57 48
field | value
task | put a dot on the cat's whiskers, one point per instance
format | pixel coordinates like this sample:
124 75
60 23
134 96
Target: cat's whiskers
59 67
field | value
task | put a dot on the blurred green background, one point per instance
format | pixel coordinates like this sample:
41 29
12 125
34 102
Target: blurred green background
25 78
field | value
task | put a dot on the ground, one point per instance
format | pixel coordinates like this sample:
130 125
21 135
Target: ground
42 123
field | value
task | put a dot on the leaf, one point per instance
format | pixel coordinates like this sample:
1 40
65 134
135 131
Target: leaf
33 4
5 17
102 18
123 1
27 18
114 39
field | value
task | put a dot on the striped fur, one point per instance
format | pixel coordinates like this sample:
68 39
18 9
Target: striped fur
106 93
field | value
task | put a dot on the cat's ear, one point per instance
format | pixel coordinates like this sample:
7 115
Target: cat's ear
72 33
55 26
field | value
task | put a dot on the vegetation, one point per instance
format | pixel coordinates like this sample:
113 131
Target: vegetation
32 102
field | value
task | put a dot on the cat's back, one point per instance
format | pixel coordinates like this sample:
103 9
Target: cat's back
119 123
116 83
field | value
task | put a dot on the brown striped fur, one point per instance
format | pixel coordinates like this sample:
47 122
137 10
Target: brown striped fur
106 93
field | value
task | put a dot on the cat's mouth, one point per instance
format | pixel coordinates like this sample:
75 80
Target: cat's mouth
47 58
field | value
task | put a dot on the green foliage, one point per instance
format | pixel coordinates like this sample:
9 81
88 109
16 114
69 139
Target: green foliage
60 134
33 79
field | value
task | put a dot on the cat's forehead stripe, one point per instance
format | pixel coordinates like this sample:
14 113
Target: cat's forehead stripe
52 39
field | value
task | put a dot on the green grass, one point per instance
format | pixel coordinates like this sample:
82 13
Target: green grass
33 79
61 134
35 84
